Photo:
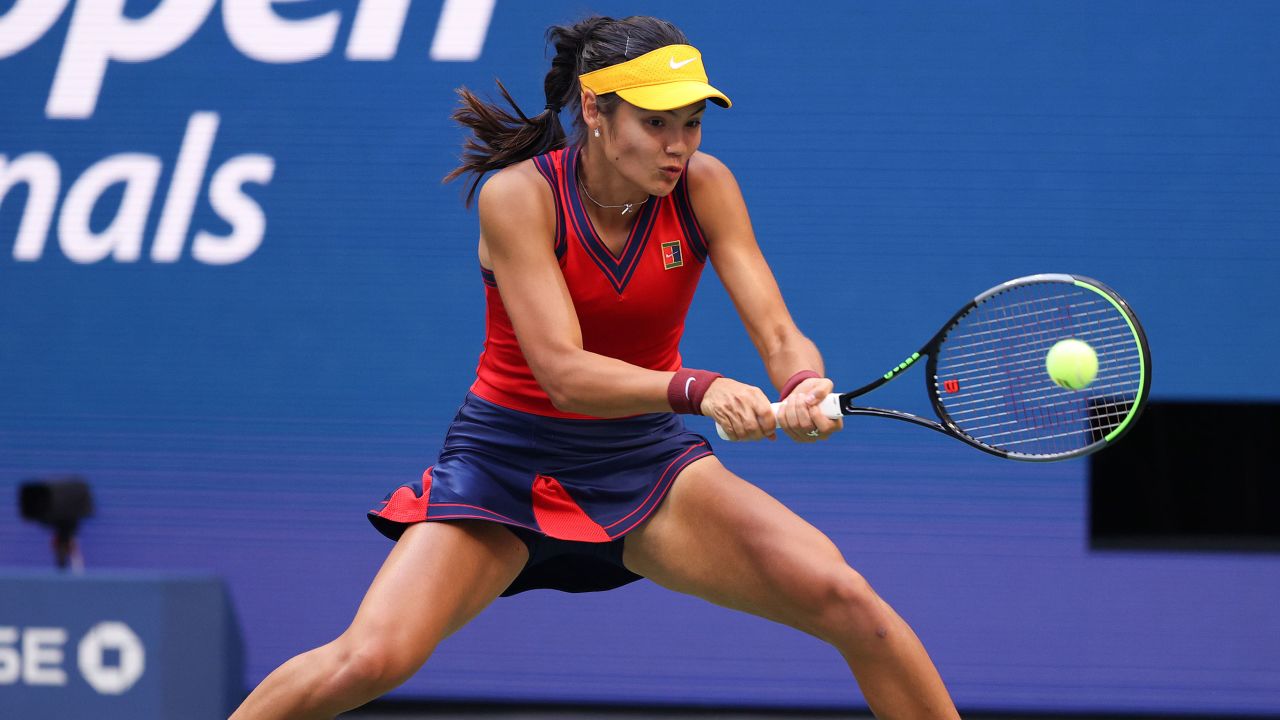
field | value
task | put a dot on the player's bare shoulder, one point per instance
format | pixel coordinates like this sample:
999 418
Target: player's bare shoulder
705 168
518 186
712 187
515 206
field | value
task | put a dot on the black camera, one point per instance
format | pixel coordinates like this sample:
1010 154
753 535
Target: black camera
60 503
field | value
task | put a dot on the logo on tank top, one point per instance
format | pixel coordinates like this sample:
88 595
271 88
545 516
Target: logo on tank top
672 257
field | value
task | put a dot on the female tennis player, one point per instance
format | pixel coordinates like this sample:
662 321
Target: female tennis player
566 466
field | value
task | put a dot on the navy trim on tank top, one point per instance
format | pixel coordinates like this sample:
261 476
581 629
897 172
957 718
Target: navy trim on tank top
547 169
618 270
689 221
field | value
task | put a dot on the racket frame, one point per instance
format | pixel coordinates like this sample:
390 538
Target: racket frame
947 426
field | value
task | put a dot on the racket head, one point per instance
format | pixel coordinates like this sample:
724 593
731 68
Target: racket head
987 380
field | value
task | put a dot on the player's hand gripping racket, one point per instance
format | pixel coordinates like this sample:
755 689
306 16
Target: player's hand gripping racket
987 379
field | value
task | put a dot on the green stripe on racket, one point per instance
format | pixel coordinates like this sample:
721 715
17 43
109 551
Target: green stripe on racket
986 377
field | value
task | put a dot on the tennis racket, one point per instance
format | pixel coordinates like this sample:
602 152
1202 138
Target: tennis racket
986 375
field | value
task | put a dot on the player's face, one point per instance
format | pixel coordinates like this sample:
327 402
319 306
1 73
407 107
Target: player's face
650 148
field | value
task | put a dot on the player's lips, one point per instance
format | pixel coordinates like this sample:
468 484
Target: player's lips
672 171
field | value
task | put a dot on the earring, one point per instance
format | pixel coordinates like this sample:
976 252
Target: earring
597 132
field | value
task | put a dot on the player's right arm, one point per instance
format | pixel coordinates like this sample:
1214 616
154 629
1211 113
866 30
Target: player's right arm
517 238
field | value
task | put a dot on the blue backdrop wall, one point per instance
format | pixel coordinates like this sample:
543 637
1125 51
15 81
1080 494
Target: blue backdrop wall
235 296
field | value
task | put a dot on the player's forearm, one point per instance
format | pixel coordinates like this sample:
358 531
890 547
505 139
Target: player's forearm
793 353
587 383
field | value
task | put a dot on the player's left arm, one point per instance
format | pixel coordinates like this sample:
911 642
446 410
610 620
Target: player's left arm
735 254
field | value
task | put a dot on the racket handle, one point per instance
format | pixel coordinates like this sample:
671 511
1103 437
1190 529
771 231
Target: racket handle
830 406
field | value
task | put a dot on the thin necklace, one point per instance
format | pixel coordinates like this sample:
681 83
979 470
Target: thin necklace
626 207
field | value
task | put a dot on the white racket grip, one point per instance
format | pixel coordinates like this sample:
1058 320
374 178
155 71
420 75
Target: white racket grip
830 406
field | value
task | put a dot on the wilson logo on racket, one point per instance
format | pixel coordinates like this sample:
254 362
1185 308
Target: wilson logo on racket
951 386
671 255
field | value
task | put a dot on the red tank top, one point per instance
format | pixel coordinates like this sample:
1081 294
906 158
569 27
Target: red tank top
630 306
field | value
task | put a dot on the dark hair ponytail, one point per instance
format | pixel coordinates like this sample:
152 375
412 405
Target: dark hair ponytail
500 137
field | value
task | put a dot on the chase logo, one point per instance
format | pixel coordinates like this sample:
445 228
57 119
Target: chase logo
110 657
102 34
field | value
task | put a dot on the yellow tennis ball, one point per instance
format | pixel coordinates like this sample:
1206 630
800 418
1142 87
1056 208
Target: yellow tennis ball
1072 364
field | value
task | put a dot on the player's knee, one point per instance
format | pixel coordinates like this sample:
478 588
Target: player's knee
850 610
370 667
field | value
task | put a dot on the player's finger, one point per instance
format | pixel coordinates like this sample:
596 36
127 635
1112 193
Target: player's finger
799 424
731 428
839 425
823 424
739 416
761 411
787 416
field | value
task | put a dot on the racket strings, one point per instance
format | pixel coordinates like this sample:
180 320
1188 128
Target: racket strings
1036 314
993 385
1101 424
1038 414
1046 314
1113 363
1119 412
1109 345
997 339
1110 341
1048 398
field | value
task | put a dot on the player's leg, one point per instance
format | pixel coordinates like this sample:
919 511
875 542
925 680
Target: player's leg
718 537
438 576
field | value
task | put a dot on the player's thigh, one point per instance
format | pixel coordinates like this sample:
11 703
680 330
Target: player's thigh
720 538
438 576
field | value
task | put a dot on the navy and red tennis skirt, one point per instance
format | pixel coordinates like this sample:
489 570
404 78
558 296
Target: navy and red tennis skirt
570 489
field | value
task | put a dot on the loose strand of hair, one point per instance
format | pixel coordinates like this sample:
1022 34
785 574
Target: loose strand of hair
499 137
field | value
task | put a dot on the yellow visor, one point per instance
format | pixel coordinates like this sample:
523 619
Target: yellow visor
665 79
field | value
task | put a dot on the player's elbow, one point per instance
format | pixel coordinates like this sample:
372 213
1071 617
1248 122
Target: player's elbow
559 381
568 397
561 396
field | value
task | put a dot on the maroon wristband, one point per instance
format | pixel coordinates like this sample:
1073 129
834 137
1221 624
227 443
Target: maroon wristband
796 380
686 389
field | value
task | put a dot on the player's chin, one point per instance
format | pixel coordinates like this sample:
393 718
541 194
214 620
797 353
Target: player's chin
661 189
